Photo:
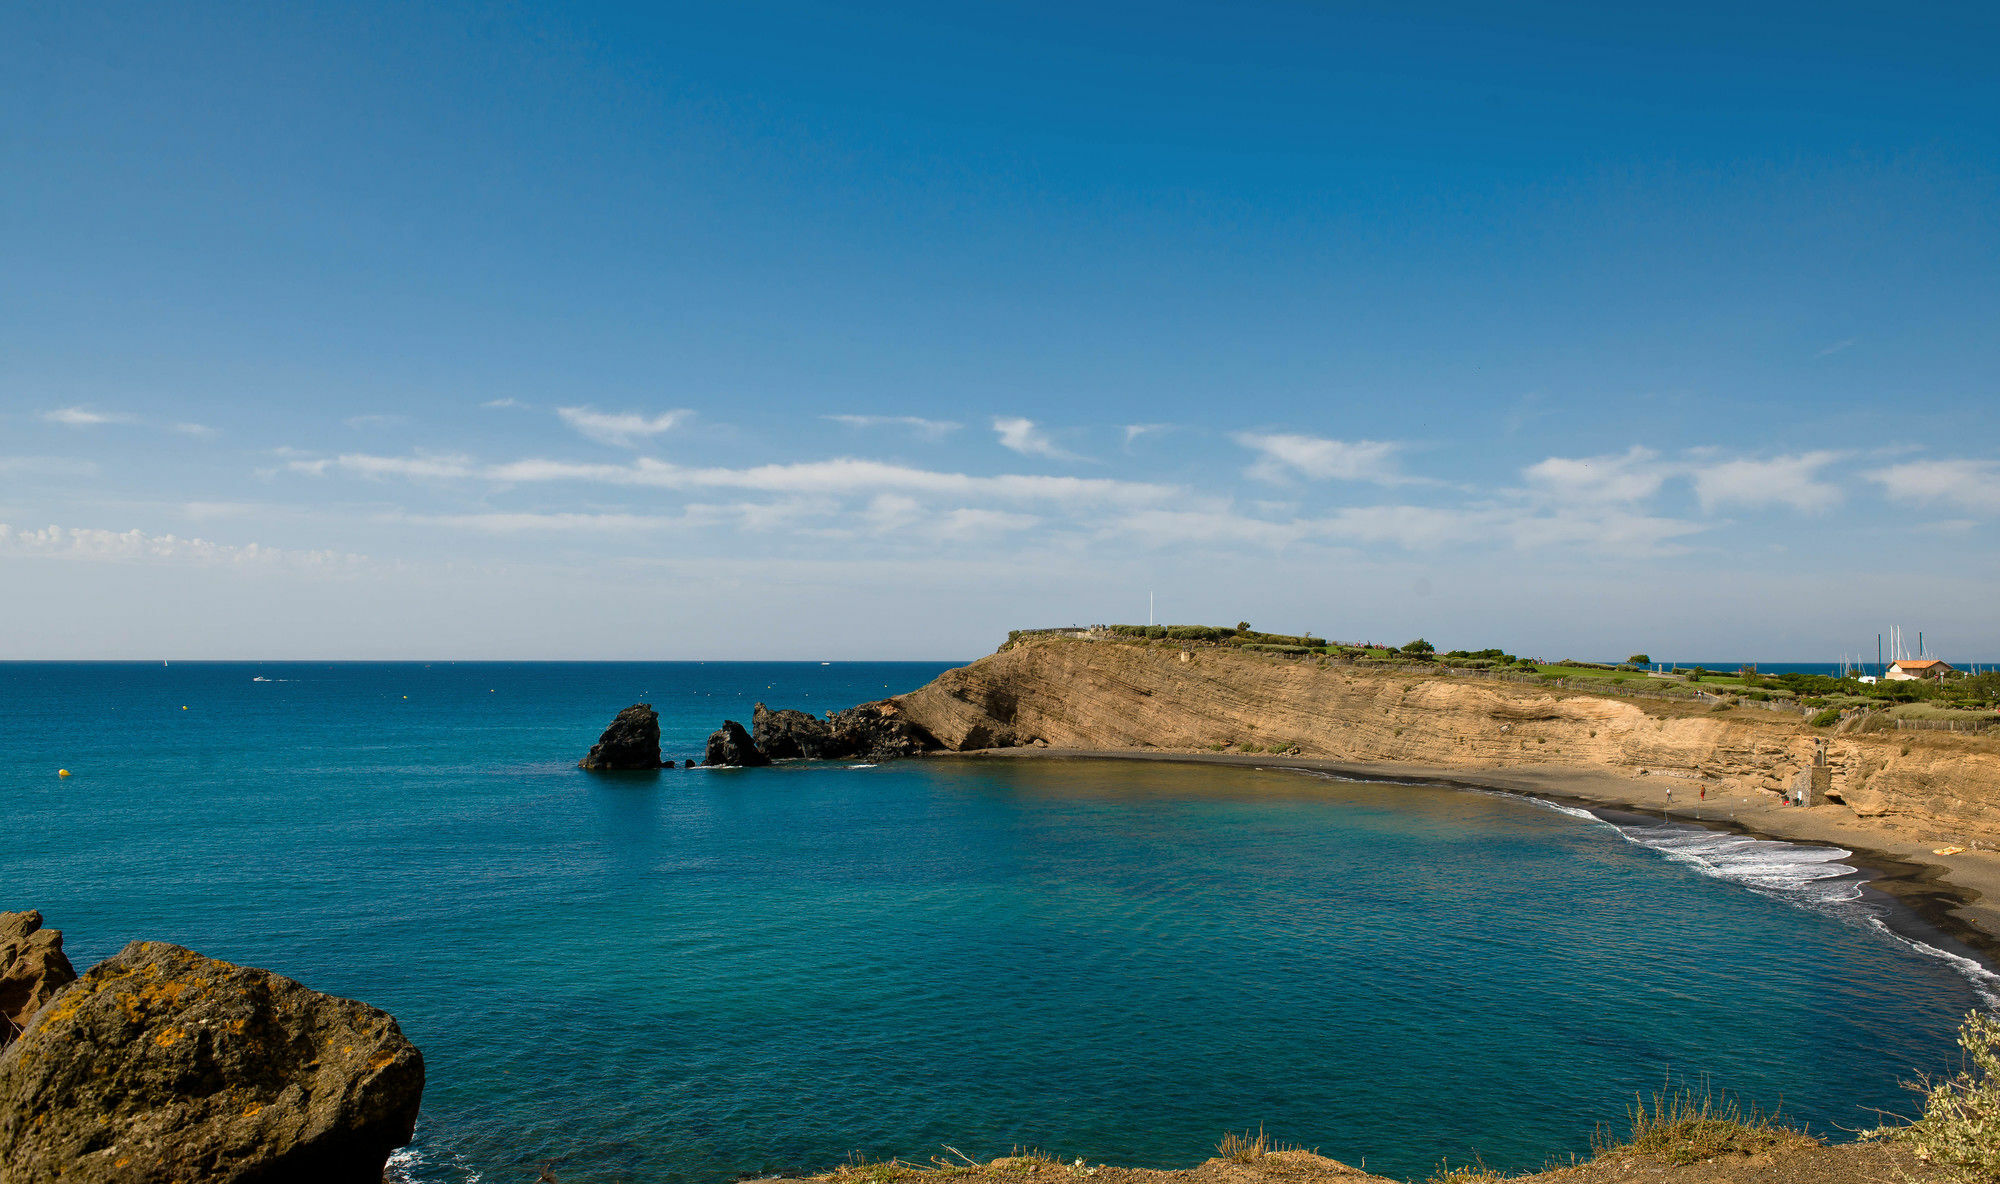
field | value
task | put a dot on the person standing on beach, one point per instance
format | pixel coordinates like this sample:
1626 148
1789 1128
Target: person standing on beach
1670 795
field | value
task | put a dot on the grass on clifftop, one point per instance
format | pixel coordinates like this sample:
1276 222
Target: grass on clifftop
1682 1127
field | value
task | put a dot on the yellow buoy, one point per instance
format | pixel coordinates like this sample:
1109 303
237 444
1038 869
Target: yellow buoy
62 772
183 707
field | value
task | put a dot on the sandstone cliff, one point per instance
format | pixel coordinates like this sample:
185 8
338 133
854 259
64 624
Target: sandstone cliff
1079 694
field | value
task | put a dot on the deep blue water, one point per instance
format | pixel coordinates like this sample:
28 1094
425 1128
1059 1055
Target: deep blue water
686 975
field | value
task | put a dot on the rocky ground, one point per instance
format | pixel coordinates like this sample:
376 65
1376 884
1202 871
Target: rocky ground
1796 1162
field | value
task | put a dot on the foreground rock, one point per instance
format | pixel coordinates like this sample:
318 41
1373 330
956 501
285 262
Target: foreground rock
32 969
730 745
872 730
162 1065
631 742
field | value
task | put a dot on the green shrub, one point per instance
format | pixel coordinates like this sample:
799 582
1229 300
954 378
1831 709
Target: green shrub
1639 660
1826 719
1960 1125
1419 646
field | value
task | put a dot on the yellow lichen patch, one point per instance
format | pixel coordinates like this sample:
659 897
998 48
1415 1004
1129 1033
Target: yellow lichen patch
382 1060
253 1109
169 1036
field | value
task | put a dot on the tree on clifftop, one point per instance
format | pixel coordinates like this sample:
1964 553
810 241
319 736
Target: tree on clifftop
1419 646
1639 659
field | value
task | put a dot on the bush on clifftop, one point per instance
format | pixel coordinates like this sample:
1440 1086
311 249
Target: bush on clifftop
1960 1126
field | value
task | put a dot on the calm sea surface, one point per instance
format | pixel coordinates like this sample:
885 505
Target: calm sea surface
683 976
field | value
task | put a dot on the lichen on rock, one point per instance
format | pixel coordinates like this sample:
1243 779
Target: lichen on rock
160 1064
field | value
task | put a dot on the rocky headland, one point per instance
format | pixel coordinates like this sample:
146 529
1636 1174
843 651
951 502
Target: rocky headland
161 1065
1928 802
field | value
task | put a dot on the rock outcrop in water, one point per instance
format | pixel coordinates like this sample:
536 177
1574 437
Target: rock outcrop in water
631 742
731 746
872 730
33 968
162 1065
790 735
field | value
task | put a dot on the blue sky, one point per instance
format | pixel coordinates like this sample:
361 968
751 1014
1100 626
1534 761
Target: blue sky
823 331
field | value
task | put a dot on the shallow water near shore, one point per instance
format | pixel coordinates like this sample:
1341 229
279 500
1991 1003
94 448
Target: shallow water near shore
687 975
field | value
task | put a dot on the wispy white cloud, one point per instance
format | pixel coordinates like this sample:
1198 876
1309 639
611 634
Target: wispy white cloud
624 429
497 403
967 523
1638 474
929 429
436 468
59 542
837 477
1418 528
1284 456
1779 480
194 429
1630 476
1135 431
83 417
1969 484
375 420
1835 348
1024 437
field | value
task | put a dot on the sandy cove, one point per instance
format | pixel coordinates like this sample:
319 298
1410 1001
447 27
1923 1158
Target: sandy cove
1955 893
1897 797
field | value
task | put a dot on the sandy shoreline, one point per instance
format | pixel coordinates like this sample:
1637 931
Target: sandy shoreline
1958 895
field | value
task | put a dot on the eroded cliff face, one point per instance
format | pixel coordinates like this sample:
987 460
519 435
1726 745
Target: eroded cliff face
1105 695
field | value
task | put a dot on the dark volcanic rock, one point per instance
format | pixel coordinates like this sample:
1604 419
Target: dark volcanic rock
731 745
32 969
787 734
878 730
631 742
162 1065
873 730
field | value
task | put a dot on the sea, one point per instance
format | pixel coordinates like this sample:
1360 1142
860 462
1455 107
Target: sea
704 975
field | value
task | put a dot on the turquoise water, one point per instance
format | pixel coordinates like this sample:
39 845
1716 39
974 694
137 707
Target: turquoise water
684 976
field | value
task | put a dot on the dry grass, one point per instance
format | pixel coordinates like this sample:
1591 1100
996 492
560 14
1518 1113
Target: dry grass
1249 1148
1682 1127
1475 1172
1242 1148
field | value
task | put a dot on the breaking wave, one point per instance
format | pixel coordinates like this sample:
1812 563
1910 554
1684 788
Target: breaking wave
1814 877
